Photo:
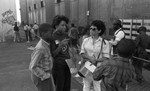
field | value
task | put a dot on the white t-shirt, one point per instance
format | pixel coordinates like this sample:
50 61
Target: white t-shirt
119 34
35 26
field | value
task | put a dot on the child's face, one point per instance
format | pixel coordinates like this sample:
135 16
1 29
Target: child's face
48 35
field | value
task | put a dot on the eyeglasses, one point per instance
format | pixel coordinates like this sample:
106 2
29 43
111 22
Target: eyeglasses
93 29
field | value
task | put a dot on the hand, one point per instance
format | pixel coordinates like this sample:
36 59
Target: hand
73 70
64 42
93 60
46 76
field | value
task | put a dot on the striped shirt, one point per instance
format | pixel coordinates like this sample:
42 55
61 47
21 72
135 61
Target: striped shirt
41 59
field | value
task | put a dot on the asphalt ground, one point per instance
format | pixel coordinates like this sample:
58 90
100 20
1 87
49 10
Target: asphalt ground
14 63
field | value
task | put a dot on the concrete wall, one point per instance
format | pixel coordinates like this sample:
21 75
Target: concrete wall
38 15
106 10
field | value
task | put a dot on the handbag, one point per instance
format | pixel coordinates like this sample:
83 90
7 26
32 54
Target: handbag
88 67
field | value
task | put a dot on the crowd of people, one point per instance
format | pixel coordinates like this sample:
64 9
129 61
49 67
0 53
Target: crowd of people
60 49
30 32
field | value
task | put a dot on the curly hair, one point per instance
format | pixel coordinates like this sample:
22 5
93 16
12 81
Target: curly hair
100 26
57 19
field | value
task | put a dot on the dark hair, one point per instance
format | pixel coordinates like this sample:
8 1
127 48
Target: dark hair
126 48
100 26
142 28
57 19
118 22
44 28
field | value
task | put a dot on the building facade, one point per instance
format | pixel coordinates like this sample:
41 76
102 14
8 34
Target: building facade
83 12
37 11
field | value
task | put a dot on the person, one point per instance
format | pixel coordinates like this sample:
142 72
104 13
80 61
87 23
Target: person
94 49
29 32
117 72
74 49
35 27
41 60
17 34
142 42
118 35
26 31
61 71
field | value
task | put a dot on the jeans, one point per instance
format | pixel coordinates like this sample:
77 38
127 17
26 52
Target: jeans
89 82
45 85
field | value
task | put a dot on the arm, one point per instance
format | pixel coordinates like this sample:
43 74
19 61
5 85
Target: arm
83 52
60 46
101 71
105 52
120 35
36 57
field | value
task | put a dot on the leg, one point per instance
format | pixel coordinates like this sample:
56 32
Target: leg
59 77
97 86
67 84
87 84
26 34
15 36
30 36
36 30
45 85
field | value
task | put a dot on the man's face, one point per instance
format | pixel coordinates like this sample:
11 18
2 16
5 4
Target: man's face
62 26
115 26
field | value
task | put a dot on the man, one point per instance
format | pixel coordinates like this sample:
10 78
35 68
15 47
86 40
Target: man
142 43
117 72
118 35
35 27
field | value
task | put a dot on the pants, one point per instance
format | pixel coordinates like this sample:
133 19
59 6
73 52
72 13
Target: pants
62 77
36 33
90 83
45 85
28 35
17 36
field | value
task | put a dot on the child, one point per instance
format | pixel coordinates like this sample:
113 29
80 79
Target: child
42 61
117 72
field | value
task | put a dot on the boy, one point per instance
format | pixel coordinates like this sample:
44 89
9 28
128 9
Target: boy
117 72
42 61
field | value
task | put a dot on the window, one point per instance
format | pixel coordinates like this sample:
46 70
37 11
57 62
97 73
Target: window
29 8
42 4
35 7
58 1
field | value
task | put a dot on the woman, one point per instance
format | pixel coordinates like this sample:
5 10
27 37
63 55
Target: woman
94 49
61 71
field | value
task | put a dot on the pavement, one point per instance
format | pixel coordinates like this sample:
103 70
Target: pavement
14 63
15 76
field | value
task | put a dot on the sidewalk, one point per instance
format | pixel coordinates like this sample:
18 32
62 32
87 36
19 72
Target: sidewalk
15 76
14 73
